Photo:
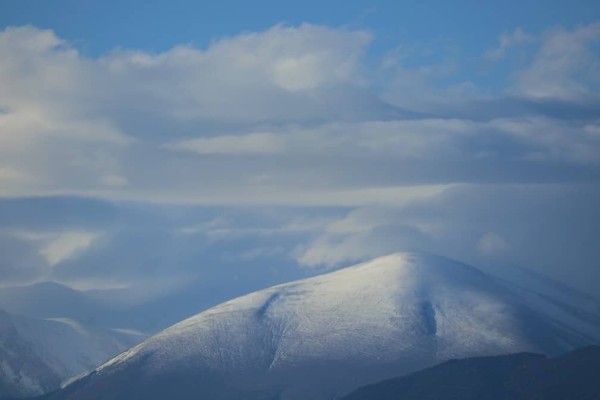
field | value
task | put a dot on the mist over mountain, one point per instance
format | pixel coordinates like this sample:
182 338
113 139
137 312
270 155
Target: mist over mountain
54 300
117 308
325 336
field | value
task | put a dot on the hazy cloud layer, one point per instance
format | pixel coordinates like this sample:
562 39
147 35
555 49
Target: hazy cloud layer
294 147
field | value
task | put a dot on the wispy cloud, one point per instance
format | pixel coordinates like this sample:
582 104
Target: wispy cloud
251 143
566 66
506 41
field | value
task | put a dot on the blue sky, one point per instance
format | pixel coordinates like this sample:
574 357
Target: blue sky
147 145
429 30
98 27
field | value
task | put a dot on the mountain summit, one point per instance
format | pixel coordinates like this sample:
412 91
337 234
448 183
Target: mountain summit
321 337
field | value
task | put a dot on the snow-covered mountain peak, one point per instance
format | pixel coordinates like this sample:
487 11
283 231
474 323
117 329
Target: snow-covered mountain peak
323 336
343 302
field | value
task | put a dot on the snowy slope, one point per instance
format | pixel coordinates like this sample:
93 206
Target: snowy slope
321 337
543 286
37 355
572 307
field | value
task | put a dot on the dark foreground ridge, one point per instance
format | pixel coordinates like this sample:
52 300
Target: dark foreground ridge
523 376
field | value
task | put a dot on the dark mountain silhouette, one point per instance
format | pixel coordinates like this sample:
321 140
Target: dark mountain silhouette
523 376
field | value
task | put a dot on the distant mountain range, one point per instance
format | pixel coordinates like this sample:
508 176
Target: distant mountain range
523 376
53 300
101 308
323 337
37 355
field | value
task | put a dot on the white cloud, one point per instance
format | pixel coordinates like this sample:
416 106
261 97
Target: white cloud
288 116
297 116
246 78
566 66
66 245
552 140
114 180
252 143
363 233
491 244
506 41
56 247
401 138
10 174
80 126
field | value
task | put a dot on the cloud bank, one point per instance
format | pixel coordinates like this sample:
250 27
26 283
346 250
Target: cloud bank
354 155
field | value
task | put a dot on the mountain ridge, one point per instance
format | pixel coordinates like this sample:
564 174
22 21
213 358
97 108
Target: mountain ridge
522 376
326 335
